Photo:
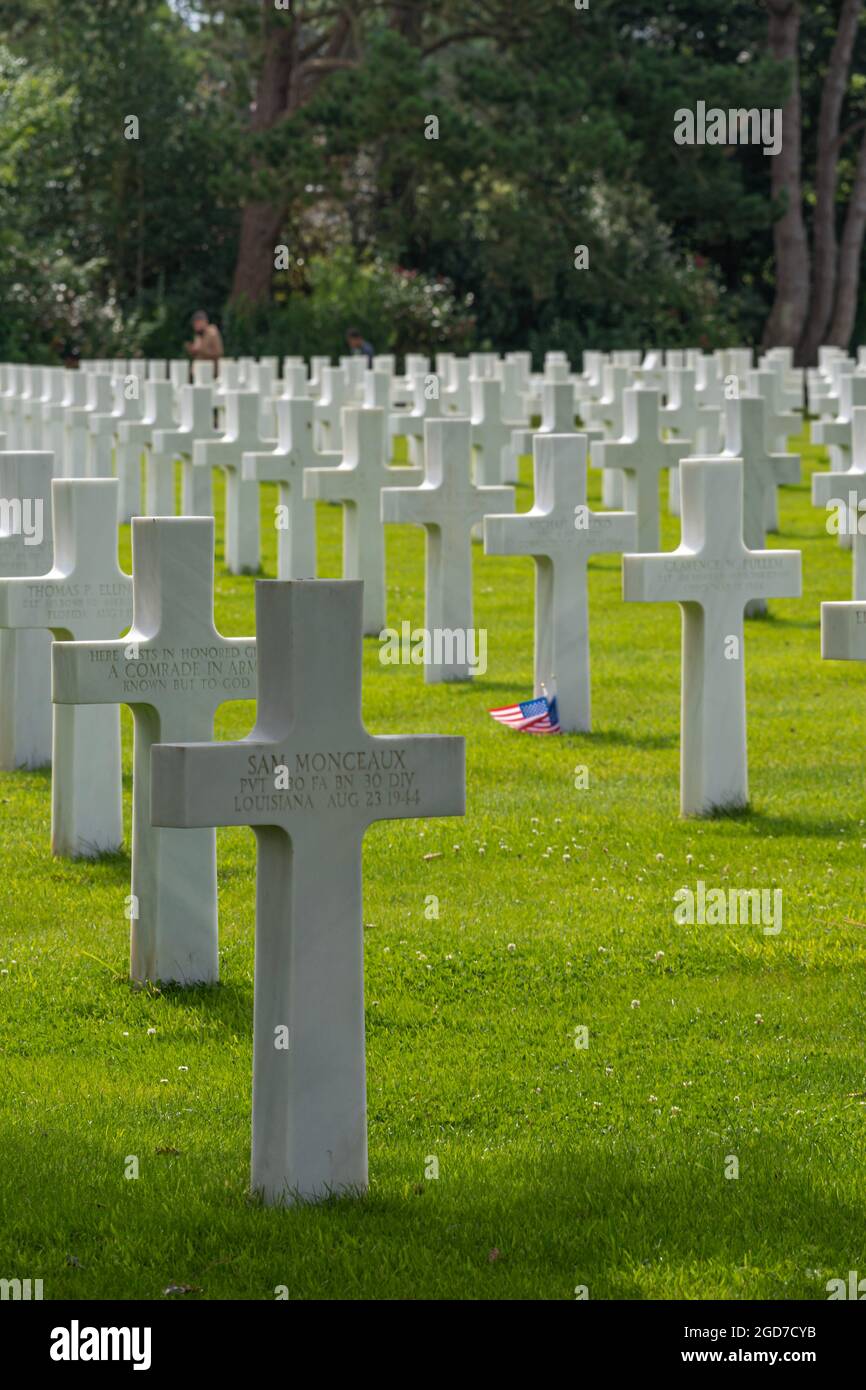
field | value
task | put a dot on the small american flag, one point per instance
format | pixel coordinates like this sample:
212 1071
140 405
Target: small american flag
538 716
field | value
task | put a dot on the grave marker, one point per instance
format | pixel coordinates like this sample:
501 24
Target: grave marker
174 670
309 780
357 484
286 466
85 595
26 548
712 575
560 533
196 423
241 437
641 455
447 504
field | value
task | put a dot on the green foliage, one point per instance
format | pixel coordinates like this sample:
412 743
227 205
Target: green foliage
397 310
555 130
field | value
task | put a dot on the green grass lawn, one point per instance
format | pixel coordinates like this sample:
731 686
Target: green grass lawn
557 1167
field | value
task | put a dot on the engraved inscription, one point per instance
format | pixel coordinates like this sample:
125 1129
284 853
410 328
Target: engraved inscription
319 780
180 668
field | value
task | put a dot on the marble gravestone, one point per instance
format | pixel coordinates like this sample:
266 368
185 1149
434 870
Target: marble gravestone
136 436
328 408
560 533
746 439
357 485
712 575
309 780
196 423
242 436
409 424
26 548
447 504
688 421
85 595
845 492
131 402
491 435
174 670
641 455
557 417
70 420
286 466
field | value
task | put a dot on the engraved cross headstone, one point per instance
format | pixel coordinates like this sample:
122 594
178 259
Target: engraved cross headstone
712 575
26 548
447 504
560 533
242 436
641 455
357 485
174 670
286 466
309 780
85 595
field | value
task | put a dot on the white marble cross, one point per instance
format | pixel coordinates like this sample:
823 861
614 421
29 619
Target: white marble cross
286 466
712 575
174 670
557 417
26 548
844 492
335 395
763 472
357 485
491 435
447 504
835 433
84 596
410 423
242 436
72 419
196 422
130 405
158 416
309 780
695 425
641 455
780 423
560 533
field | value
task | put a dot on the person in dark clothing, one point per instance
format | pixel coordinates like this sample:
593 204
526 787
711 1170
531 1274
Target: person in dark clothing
358 345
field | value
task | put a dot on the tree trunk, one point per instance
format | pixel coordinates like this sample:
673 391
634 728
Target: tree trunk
291 73
261 221
825 245
850 253
785 324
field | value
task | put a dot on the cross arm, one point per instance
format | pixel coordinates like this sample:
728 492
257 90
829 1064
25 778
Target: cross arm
411 505
612 532
266 468
88 673
830 487
330 484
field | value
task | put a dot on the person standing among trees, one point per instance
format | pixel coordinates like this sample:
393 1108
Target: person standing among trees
358 345
207 345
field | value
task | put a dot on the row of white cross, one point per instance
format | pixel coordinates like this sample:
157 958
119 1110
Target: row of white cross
310 779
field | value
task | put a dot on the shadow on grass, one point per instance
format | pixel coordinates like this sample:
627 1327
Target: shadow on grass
626 1221
618 738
